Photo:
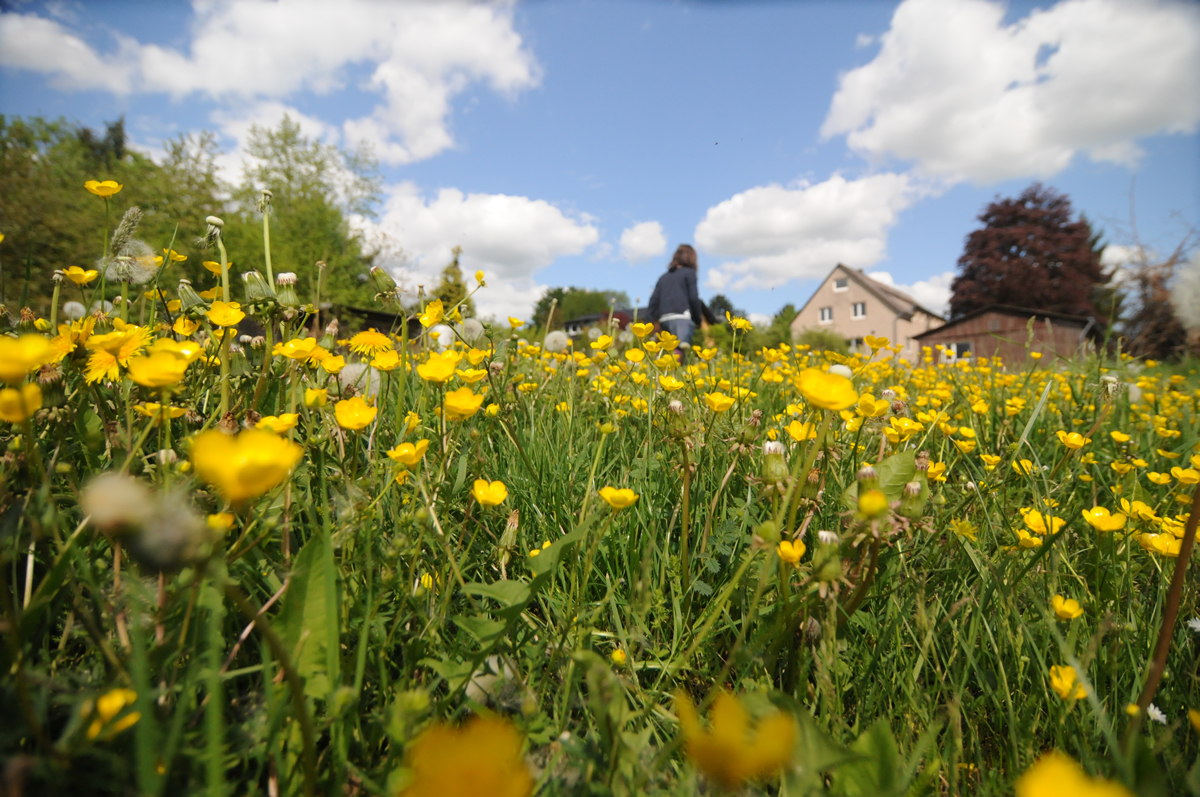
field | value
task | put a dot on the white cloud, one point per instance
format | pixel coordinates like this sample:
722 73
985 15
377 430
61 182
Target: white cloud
509 237
759 320
779 234
966 96
932 294
643 241
421 56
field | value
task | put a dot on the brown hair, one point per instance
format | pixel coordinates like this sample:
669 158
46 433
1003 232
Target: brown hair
685 256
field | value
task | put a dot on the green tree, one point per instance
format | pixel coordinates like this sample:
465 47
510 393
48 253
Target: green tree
453 288
315 187
575 302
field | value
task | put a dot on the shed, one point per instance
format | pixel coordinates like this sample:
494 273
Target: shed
1000 330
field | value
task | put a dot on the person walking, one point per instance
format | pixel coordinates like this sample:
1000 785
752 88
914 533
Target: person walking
675 304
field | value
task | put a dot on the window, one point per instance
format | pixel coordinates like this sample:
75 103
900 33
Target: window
961 349
841 284
826 315
859 310
857 344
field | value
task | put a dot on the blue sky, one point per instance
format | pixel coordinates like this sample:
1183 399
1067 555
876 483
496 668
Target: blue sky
576 143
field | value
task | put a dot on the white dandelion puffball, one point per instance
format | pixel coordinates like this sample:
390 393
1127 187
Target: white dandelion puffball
1185 293
74 310
557 341
827 537
444 334
625 337
594 333
362 377
471 330
841 370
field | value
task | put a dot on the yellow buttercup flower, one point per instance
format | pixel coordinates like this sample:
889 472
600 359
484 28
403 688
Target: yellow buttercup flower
439 367
618 499
158 369
1066 608
1100 519
105 188
601 343
868 407
635 355
1186 475
159 412
108 706
433 315
802 431
730 753
1159 478
79 276
225 314
409 454
791 552
354 413
1119 437
1072 440
876 343
18 404
278 423
1064 681
386 360
215 267
1057 775
641 330
315 397
825 390
19 356
669 383
114 349
514 322
738 323
618 657
1041 523
718 402
184 326
481 758
463 403
174 256
471 375
246 466
489 493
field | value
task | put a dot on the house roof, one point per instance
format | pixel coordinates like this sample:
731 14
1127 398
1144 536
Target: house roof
895 300
1021 312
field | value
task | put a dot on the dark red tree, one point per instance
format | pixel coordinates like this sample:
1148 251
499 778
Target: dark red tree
1030 253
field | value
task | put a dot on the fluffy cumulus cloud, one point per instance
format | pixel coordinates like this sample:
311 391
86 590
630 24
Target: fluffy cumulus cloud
508 237
932 294
773 234
416 56
643 241
966 96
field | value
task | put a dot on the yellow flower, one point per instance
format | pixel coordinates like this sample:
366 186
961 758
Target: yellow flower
936 472
225 314
1119 437
489 493
1185 476
1122 467
214 266
409 454
332 364
717 402
210 294
618 657
618 499
158 369
825 390
1072 440
669 383
471 375
184 326
965 446
479 276
354 413
79 276
463 403
791 552
1194 718
514 322
386 360
315 397
738 323
964 528
601 343
411 422
246 466
1064 681
641 330
174 256
538 551
19 356
1159 478
1040 523
439 367
706 354
370 343
1100 519
108 706
278 423
1066 608
872 503
433 314
158 412
481 758
19 404
492 410
730 753
876 343
635 355
103 189
298 349
1023 467
990 461
802 431
114 349
1057 775
868 407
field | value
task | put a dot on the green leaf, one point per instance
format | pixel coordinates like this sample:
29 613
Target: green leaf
506 593
484 629
894 472
879 771
306 614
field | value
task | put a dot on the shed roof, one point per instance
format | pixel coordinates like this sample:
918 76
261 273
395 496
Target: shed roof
1021 312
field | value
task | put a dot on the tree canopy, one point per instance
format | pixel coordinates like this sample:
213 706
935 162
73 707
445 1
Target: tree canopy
575 302
1032 253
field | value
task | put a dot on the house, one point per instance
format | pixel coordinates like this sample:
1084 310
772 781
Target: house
1000 330
854 305
621 319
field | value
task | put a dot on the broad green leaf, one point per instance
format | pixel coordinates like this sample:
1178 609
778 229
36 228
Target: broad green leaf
306 614
894 472
507 593
484 629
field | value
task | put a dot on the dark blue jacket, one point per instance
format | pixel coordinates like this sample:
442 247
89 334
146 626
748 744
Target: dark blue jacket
676 293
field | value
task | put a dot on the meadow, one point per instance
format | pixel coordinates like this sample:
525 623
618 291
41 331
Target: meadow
493 560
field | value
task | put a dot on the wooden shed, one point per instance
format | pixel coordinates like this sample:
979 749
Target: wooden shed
1000 330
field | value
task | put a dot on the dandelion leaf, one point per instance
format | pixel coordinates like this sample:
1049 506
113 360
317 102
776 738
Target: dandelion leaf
305 619
894 472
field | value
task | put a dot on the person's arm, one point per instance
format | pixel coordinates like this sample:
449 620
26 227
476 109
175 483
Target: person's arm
709 318
693 296
652 307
